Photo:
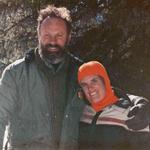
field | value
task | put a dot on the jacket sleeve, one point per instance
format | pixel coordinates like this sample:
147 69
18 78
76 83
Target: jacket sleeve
137 99
139 113
7 100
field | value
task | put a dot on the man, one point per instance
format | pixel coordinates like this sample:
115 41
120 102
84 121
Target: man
38 104
103 122
36 95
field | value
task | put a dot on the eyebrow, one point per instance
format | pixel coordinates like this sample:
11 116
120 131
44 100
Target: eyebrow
83 83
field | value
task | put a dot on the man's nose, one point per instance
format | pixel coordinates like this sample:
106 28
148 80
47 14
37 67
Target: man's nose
52 40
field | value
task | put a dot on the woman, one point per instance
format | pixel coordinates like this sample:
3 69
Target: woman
103 122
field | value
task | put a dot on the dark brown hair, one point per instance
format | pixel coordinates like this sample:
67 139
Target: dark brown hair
58 12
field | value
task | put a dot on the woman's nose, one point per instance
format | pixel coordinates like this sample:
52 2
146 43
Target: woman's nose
90 88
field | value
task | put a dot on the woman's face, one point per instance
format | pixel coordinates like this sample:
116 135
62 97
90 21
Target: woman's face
93 87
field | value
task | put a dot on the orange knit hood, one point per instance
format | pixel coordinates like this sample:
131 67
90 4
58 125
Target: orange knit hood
96 68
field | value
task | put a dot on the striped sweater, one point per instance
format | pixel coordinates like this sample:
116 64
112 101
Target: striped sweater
107 130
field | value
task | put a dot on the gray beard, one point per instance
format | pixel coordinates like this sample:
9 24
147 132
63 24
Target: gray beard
53 59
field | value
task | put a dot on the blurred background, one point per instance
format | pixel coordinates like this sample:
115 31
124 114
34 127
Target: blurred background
114 32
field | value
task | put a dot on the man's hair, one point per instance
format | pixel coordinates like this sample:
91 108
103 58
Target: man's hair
57 12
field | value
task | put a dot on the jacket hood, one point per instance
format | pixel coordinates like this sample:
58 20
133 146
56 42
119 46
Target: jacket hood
96 68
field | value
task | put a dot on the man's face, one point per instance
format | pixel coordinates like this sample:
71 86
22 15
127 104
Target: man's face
53 37
93 87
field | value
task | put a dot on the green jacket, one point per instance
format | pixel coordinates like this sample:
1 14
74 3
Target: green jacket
39 104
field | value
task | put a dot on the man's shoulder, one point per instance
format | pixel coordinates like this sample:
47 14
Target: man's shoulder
75 59
14 69
23 62
16 64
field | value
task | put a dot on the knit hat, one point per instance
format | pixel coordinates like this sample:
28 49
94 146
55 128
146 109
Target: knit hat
96 68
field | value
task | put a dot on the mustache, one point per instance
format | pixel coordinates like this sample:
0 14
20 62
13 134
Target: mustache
53 46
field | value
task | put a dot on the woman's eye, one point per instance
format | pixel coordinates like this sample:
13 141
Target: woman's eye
94 81
84 86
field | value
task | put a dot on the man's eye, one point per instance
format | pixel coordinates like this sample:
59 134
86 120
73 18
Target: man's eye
59 35
46 36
